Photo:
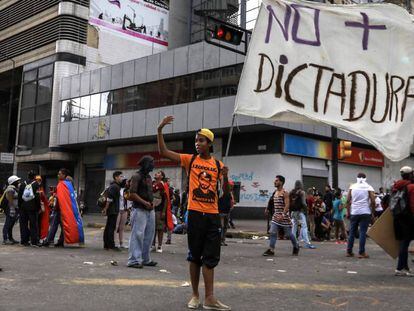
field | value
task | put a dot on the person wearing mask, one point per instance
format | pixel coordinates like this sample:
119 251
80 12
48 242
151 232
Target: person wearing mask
111 211
29 203
404 222
297 199
360 210
142 215
205 173
281 219
11 209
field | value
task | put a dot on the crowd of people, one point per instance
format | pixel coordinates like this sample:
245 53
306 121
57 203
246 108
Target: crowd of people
152 207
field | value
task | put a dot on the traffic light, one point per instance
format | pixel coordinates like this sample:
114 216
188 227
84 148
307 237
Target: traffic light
227 34
345 149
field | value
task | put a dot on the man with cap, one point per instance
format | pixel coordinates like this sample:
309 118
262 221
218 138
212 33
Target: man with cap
11 208
204 227
404 223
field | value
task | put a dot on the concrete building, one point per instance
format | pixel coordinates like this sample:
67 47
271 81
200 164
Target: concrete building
114 82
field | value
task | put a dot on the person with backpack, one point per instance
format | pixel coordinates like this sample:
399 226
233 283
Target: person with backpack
11 208
402 207
360 210
111 211
205 173
297 199
142 215
29 203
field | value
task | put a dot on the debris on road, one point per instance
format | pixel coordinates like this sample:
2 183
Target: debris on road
90 263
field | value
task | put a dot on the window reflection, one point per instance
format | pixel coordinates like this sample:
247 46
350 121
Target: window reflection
184 89
95 105
85 106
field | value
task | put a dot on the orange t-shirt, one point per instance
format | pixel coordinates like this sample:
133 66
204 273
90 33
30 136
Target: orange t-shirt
202 195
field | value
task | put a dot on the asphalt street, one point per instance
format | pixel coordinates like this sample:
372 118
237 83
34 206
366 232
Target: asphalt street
75 278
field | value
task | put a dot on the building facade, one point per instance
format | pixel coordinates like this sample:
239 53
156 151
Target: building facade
91 98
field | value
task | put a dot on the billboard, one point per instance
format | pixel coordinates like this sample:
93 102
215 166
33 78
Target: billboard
144 21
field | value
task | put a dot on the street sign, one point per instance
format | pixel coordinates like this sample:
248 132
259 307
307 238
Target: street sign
6 158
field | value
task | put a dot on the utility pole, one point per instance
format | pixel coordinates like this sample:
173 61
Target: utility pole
334 161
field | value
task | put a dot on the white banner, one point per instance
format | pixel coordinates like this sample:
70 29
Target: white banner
145 21
348 66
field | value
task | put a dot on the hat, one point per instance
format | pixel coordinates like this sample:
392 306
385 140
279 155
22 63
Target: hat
12 179
406 170
38 177
207 133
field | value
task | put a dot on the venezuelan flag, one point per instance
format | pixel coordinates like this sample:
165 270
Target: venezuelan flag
70 216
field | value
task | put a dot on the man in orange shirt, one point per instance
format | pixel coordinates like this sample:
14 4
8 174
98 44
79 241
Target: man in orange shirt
204 227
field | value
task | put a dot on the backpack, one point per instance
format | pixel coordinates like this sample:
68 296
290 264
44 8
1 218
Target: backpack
103 197
28 193
219 192
399 203
295 201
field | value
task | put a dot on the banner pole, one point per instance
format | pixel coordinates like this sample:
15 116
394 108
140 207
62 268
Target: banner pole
229 140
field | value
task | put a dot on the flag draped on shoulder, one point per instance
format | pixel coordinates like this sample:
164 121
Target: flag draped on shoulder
349 66
70 215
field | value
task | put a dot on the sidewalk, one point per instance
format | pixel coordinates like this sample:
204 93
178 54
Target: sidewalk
245 229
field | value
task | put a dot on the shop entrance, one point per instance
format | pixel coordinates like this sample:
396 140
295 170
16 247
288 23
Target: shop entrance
95 184
312 181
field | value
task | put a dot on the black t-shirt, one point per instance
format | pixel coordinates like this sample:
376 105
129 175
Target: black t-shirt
113 198
32 205
141 184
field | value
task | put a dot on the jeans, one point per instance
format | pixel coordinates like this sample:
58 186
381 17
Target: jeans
142 233
8 227
26 218
299 217
288 233
363 222
403 255
109 232
54 225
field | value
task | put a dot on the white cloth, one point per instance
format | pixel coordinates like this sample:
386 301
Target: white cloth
378 206
360 204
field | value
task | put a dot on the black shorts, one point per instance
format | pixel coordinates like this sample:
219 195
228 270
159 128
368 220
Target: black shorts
204 238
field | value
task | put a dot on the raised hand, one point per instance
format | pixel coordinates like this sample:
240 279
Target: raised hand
165 121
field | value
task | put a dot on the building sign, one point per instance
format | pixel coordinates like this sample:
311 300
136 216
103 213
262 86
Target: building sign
6 158
145 21
348 66
313 148
130 160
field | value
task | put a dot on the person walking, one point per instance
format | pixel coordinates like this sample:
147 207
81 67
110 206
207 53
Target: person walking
297 199
142 215
310 200
360 210
404 222
111 211
205 173
11 210
281 218
29 203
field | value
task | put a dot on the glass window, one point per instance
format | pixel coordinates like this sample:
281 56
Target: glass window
74 106
66 112
95 105
29 94
44 91
30 75
141 97
27 115
43 112
45 133
117 102
37 134
105 104
26 135
85 107
46 71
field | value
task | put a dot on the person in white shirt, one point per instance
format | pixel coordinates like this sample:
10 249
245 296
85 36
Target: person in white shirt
360 209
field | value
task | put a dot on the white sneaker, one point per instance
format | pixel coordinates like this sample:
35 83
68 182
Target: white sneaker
159 249
403 272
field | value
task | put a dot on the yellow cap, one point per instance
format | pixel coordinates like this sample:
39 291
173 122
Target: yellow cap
207 133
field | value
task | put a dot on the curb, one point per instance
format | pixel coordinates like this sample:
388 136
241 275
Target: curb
251 235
